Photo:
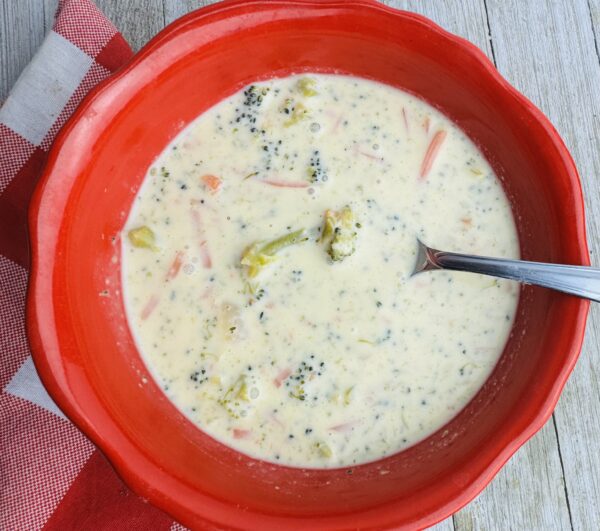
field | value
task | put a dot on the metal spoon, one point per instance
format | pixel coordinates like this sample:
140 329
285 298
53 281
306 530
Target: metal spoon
581 281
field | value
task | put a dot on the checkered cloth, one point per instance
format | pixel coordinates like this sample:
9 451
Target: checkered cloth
51 476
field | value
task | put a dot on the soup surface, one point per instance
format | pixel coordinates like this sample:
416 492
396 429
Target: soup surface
267 271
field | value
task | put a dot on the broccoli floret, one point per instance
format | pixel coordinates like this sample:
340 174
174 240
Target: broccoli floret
339 233
316 171
260 254
254 95
306 86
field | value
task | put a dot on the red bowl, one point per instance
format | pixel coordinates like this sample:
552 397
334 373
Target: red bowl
78 331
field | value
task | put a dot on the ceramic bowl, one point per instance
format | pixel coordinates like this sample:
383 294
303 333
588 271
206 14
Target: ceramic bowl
79 334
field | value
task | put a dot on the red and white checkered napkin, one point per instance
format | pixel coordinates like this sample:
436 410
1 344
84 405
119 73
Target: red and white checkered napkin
51 476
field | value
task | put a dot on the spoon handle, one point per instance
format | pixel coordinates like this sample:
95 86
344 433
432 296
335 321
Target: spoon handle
581 281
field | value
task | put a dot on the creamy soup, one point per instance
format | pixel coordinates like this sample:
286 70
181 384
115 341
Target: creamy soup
267 271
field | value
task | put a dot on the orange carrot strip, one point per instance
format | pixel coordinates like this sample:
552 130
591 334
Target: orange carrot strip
279 379
405 118
203 247
241 434
175 266
283 184
212 182
150 307
431 153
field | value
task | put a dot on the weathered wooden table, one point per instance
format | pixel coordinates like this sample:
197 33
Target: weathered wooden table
549 50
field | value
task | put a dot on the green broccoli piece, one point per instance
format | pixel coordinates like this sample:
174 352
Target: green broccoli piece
261 253
237 393
339 233
306 86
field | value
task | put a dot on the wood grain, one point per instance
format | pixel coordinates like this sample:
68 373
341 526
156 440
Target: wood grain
21 33
550 55
50 7
594 7
466 19
177 8
549 50
527 494
137 20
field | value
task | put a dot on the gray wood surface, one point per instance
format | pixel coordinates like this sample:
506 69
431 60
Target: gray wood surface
548 49
21 32
557 67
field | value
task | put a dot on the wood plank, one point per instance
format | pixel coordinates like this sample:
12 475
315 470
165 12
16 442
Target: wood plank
549 54
137 20
50 7
21 33
594 6
177 8
465 18
528 492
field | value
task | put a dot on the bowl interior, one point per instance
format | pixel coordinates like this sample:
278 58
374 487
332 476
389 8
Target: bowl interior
123 129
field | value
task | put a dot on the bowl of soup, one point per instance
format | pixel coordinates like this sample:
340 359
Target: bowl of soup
223 241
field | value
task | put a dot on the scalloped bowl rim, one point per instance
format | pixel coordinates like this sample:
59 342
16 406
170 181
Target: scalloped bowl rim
41 331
